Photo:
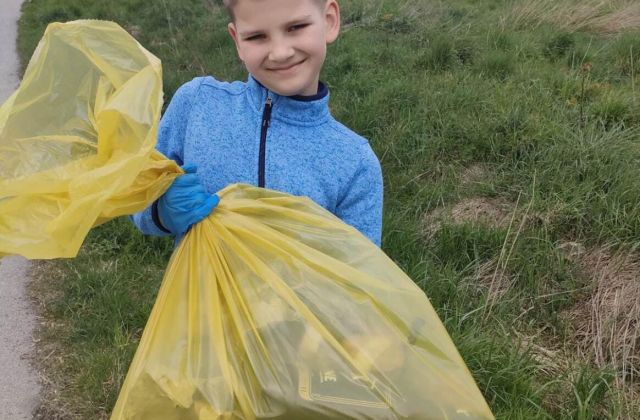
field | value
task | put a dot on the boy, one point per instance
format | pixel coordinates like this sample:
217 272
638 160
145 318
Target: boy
274 131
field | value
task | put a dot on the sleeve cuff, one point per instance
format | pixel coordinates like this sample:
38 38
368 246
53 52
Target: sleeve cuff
156 217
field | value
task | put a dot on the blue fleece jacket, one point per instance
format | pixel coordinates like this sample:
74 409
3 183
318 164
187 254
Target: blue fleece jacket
293 145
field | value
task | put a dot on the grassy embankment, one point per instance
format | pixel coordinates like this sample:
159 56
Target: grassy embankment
508 132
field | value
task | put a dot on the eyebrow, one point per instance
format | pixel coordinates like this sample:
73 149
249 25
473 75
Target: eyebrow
289 23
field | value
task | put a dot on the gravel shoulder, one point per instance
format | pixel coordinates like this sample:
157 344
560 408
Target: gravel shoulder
19 384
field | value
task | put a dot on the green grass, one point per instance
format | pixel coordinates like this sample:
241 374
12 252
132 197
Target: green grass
448 86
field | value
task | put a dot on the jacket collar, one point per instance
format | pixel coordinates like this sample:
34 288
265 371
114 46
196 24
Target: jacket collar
300 110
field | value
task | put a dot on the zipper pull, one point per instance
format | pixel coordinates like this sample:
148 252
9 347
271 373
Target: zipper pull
266 117
267 113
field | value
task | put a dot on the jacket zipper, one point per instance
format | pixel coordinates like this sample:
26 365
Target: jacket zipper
266 118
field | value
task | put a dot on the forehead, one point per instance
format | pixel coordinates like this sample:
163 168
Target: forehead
261 11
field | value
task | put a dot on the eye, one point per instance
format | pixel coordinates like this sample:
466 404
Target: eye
298 27
255 37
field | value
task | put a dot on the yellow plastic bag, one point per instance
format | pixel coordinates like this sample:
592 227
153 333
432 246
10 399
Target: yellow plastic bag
270 308
274 308
77 139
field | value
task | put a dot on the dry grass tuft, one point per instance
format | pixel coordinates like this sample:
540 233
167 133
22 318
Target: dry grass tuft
491 276
630 402
491 212
604 17
607 323
553 362
495 213
476 174
406 13
573 251
421 10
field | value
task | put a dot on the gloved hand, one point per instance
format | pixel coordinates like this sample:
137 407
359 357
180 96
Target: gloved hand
185 202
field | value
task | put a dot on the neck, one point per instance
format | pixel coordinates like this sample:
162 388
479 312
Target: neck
321 92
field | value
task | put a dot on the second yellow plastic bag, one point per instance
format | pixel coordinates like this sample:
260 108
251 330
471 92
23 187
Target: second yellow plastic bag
274 308
77 139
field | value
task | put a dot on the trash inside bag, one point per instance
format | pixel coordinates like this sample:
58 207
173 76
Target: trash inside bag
273 308
77 139
270 308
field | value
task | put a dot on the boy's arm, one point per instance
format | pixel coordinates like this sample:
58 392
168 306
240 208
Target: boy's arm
361 202
171 134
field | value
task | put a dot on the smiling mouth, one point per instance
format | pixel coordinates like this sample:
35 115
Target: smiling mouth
287 67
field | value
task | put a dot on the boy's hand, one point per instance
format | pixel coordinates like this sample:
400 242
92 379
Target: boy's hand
186 202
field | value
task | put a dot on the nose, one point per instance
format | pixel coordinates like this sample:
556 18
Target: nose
281 51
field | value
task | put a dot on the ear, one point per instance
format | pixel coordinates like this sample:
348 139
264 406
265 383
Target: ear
231 27
332 18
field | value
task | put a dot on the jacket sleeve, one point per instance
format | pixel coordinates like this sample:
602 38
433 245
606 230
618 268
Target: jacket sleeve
171 135
361 202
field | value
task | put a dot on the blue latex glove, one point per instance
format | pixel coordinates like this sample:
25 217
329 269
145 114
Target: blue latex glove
185 202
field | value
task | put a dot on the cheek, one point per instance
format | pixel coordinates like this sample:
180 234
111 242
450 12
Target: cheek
319 52
251 57
316 46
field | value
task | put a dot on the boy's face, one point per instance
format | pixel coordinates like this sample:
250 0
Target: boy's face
283 43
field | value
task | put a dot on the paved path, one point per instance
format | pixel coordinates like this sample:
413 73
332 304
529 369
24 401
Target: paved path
19 387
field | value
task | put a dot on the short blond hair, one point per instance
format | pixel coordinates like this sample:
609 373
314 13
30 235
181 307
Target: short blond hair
230 4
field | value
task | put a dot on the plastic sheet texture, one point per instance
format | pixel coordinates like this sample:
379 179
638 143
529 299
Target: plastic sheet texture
273 308
270 308
77 139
